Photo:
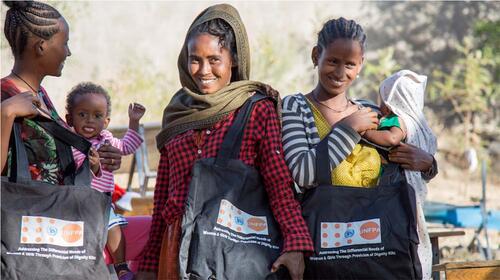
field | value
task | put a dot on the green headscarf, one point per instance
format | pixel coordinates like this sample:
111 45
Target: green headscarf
189 109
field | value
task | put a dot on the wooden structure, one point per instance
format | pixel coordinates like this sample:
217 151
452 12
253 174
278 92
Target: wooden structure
483 270
435 235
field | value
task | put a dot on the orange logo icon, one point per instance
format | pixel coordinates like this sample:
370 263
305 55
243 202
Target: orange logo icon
369 230
256 224
72 233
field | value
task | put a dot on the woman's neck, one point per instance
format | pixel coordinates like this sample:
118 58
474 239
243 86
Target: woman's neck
28 75
332 101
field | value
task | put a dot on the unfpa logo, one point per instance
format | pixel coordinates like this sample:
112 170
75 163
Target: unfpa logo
369 230
72 233
257 224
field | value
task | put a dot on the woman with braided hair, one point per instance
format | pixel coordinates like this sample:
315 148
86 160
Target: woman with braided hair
327 114
38 37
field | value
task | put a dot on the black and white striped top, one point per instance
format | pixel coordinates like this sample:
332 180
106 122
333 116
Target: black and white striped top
300 137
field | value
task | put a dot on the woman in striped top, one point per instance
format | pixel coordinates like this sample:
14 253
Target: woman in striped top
327 114
338 56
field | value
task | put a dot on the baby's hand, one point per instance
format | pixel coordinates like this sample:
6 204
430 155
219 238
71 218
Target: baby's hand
95 165
136 111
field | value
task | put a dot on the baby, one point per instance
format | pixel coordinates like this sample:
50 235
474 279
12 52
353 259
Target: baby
88 111
402 104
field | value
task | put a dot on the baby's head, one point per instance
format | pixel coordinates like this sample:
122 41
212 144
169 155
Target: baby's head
88 107
402 93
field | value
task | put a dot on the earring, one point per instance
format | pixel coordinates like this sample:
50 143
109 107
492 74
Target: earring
357 76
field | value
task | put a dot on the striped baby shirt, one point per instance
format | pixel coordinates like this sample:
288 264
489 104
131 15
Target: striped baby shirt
127 145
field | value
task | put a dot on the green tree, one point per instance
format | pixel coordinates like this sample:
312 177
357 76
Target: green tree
488 37
425 34
469 88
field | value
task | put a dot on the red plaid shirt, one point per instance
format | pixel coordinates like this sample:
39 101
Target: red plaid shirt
261 147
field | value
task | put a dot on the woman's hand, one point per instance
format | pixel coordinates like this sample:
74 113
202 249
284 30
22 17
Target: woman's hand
294 262
361 120
20 105
411 157
111 157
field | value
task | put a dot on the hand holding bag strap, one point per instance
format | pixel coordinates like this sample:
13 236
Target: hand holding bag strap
20 168
231 145
323 170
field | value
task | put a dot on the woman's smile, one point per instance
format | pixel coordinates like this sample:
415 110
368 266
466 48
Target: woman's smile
209 63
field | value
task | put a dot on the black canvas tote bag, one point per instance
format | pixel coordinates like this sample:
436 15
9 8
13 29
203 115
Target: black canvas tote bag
52 231
228 229
361 233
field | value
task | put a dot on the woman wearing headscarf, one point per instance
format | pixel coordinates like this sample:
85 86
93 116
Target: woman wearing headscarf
214 67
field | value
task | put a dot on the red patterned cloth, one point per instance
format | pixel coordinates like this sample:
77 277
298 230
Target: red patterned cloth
40 146
261 147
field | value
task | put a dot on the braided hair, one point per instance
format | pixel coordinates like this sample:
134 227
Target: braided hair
221 29
341 28
29 17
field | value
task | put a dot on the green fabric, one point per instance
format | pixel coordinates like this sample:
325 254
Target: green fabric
389 121
189 109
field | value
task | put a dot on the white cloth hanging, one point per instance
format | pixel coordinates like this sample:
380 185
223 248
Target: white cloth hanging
403 94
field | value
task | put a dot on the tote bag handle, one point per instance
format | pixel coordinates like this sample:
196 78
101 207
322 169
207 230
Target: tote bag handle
64 140
231 145
323 170
392 172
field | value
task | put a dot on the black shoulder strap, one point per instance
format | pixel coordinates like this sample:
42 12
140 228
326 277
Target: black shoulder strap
323 170
231 145
64 139
19 171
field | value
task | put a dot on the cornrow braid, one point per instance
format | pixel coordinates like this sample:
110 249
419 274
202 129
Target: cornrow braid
341 28
29 17
83 89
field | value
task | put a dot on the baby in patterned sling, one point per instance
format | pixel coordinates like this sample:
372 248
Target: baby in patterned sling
402 104
88 111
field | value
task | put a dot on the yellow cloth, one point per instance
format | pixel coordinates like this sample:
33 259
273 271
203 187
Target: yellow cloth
360 169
